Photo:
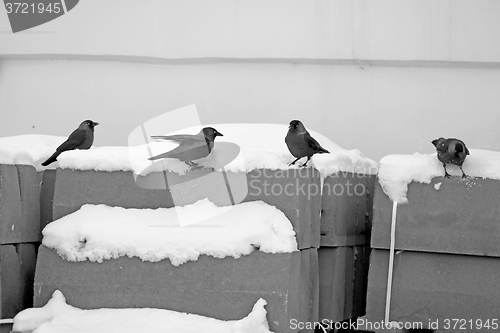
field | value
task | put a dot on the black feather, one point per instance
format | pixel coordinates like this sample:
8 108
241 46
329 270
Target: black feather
301 144
451 151
191 147
81 138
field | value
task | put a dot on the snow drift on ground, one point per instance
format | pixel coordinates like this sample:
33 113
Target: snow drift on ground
59 317
99 232
262 146
397 171
30 149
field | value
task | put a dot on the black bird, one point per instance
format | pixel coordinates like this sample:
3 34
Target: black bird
301 144
81 138
451 151
191 147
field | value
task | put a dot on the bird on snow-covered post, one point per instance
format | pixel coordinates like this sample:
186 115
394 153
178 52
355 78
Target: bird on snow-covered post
81 138
451 151
301 144
191 147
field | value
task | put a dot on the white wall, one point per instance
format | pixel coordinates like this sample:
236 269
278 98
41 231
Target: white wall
406 30
382 76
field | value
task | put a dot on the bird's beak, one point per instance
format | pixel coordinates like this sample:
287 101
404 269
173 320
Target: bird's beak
218 134
95 124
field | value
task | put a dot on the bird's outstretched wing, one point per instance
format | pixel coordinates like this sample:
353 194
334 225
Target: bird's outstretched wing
181 138
74 140
314 144
186 151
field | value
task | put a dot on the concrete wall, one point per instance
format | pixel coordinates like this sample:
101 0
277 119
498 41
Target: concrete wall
398 72
412 30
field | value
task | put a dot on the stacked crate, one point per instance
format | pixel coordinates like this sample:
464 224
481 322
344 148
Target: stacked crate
220 288
447 256
326 282
343 255
20 187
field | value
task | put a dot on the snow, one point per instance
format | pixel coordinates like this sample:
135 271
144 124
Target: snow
262 146
30 149
397 171
59 317
100 232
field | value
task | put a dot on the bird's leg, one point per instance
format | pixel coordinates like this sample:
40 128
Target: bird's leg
463 173
305 164
289 164
446 174
194 166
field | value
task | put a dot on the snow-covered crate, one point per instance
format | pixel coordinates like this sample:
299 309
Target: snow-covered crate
198 258
446 241
20 185
438 214
19 204
462 217
346 209
59 316
296 192
219 288
343 277
455 293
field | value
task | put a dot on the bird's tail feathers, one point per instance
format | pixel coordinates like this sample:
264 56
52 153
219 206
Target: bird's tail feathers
163 137
157 157
322 150
154 158
51 159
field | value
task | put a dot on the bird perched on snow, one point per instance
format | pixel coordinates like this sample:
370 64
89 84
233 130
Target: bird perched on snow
81 138
301 144
191 147
451 151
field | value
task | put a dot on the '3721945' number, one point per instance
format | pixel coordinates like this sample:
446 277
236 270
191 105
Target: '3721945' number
26 8
464 324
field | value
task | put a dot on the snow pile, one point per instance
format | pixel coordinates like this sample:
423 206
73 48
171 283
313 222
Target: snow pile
397 171
30 149
58 317
99 232
262 146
